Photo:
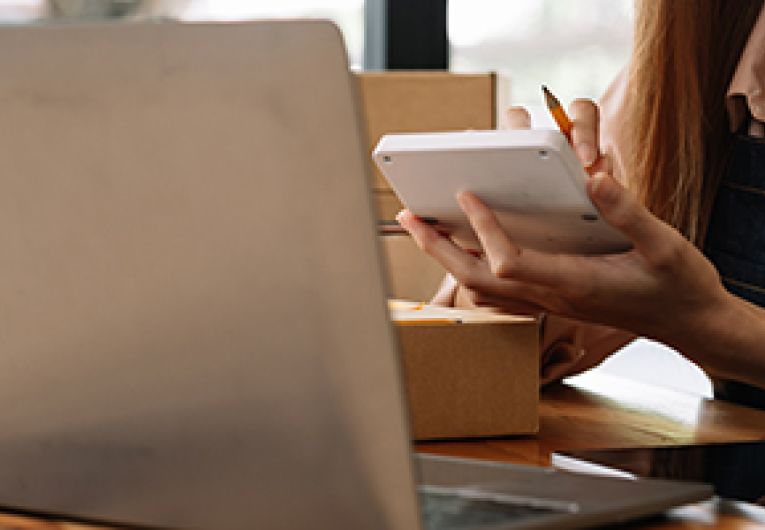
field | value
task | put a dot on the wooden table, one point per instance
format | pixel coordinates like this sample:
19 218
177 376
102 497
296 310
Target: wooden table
595 410
599 411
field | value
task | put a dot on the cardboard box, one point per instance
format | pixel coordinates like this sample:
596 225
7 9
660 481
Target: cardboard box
387 204
479 377
425 101
412 274
476 378
420 102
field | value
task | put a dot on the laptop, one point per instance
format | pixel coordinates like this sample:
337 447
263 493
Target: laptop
193 329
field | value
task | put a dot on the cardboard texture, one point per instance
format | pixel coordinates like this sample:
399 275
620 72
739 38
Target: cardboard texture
387 204
476 378
412 274
425 101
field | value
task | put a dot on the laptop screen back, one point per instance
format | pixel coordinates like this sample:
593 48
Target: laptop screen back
193 324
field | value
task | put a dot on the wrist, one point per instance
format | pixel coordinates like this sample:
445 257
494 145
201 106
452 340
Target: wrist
701 333
726 339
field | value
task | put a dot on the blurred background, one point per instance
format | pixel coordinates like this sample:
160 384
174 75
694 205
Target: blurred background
575 47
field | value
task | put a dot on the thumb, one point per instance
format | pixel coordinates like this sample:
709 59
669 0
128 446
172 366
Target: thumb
624 212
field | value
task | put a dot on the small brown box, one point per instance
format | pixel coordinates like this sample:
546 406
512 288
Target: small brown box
387 204
412 274
423 102
473 379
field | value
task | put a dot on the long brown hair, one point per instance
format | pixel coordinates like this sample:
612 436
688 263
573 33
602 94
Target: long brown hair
678 139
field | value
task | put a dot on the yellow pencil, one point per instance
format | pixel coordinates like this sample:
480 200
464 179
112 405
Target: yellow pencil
558 114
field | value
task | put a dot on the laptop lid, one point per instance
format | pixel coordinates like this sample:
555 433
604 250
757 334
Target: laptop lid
193 328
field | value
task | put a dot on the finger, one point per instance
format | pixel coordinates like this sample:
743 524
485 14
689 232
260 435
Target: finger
496 244
508 295
566 364
527 275
518 118
508 305
624 212
446 293
473 273
508 261
466 268
584 134
551 373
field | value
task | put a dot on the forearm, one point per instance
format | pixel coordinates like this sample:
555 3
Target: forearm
569 347
728 340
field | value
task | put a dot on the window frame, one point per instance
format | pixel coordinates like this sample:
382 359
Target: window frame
406 35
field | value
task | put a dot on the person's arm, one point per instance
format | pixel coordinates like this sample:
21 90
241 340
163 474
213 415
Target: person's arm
567 347
663 289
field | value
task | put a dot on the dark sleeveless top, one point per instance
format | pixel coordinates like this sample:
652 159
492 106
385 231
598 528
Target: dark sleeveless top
736 241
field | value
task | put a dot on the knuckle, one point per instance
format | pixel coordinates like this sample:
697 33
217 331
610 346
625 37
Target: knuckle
505 267
604 164
668 257
518 291
624 216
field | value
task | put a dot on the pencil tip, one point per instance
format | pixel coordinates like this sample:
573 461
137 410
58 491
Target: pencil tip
551 100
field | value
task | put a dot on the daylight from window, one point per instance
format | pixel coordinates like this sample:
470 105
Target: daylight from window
574 47
347 14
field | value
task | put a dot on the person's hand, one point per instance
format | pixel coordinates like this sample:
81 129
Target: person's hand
558 358
585 132
585 117
662 287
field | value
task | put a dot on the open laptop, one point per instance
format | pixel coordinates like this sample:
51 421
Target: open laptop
193 329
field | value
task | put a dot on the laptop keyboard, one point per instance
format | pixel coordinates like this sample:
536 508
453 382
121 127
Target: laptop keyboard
455 509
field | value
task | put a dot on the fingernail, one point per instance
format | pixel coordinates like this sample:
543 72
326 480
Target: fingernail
587 154
603 189
403 217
